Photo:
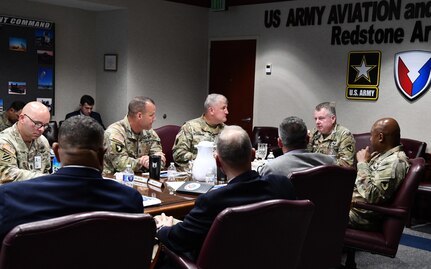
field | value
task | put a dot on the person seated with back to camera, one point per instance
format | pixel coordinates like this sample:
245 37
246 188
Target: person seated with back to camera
233 154
78 186
293 141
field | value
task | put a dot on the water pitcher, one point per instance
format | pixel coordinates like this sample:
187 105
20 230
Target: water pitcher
204 162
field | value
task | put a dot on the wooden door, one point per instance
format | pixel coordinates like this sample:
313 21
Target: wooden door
232 69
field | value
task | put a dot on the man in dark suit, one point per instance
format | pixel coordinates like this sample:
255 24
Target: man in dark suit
234 155
293 141
76 187
86 109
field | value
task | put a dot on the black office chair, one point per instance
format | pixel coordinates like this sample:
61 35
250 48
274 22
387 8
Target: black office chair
51 133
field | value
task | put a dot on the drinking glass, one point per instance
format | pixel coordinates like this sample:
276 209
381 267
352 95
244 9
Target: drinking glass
262 149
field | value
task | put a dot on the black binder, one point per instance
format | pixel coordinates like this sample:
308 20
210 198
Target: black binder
194 187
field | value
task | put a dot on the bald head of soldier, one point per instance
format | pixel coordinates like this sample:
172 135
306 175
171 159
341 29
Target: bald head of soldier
215 107
385 134
33 121
80 142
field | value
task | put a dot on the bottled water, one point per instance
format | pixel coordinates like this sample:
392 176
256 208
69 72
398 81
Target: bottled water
270 156
128 176
55 164
172 172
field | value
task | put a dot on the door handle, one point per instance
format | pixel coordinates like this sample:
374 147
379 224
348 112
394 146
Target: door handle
246 119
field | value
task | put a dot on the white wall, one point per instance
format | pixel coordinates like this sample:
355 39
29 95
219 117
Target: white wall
307 69
168 57
164 55
162 52
112 38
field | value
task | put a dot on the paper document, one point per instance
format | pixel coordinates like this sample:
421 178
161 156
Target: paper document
149 200
176 174
174 184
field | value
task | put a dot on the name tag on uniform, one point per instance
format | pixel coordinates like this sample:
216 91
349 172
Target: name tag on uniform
37 162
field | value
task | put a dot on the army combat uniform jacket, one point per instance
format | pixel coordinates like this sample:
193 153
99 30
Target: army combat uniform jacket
376 182
20 162
124 147
339 143
4 121
191 133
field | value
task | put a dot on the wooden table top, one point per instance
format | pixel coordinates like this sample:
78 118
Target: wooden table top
173 204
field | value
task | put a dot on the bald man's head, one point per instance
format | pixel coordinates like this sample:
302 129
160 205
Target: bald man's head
385 134
33 120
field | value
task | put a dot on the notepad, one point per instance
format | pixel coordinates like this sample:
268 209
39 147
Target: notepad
149 201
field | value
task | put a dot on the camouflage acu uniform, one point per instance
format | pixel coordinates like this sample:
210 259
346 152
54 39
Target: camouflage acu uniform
191 133
340 143
17 161
376 182
125 147
4 121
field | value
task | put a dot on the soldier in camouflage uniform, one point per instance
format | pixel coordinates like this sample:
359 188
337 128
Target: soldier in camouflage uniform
205 128
379 174
11 115
24 151
331 138
132 139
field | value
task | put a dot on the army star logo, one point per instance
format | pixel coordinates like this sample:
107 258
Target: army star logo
363 75
363 70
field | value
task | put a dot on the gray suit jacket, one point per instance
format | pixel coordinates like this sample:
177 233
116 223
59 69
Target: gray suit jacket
296 160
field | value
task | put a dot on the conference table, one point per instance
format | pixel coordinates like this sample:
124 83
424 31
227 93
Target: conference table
172 203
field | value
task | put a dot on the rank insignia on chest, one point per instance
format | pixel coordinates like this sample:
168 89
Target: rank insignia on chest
118 148
5 157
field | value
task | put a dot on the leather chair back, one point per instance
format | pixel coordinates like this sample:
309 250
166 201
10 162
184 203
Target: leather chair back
414 148
330 188
362 140
386 241
84 240
51 133
268 234
167 136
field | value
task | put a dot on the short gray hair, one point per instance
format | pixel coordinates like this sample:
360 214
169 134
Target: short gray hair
293 132
213 99
138 104
234 146
329 106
